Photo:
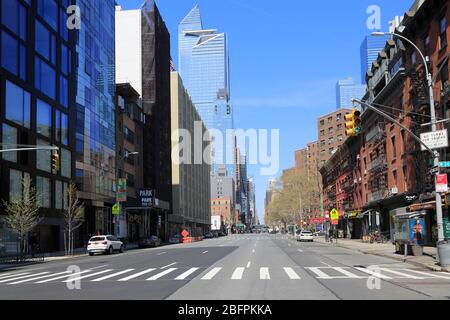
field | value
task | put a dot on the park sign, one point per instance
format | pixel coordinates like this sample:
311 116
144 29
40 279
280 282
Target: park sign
146 197
435 139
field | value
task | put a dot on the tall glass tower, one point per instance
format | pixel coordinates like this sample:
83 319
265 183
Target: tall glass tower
346 90
370 48
204 67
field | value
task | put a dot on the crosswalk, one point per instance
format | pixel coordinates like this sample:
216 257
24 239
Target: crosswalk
96 275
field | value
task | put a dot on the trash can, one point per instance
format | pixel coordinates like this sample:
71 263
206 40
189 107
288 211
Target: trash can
443 249
417 250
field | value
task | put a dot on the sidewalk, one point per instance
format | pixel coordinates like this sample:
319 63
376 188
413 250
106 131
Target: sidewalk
428 260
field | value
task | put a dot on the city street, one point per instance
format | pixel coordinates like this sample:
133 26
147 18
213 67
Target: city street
237 267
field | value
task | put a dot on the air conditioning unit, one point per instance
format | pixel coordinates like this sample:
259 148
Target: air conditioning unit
394 190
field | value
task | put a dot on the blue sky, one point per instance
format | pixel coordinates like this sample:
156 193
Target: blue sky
286 57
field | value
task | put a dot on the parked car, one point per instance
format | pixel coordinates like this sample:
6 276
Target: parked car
209 235
305 235
150 242
175 239
105 244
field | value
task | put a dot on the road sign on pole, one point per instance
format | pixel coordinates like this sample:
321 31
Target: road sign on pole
435 139
441 183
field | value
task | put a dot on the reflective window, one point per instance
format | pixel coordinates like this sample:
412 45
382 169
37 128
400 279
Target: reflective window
45 42
43 157
14 16
17 105
13 55
65 163
64 91
43 191
58 195
43 118
48 10
45 78
15 185
9 140
62 127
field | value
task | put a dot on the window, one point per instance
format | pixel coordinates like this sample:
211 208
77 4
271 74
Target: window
45 42
43 191
339 117
322 132
414 58
63 91
14 16
45 78
15 185
426 45
63 30
43 118
443 33
444 76
330 119
48 10
322 143
17 105
394 174
9 140
322 122
394 148
13 56
43 157
58 195
340 137
65 60
66 160
330 130
339 127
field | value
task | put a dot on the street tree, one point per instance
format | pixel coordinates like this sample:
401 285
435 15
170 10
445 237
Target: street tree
73 216
22 213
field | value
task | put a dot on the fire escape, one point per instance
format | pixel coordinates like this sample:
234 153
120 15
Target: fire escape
378 166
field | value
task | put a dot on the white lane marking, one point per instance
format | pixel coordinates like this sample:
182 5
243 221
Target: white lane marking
161 274
169 265
329 266
237 274
22 277
186 274
65 276
161 253
292 274
433 275
88 275
347 273
37 278
205 252
112 275
264 274
14 275
320 274
137 274
211 274
248 264
373 273
300 250
402 274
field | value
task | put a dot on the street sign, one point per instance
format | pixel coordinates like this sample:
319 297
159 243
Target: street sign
441 183
184 234
146 197
121 194
445 164
334 214
116 209
435 140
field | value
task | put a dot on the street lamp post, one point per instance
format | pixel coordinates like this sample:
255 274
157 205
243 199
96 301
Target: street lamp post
433 126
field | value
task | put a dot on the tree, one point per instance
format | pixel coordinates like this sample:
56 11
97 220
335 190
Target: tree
22 213
73 217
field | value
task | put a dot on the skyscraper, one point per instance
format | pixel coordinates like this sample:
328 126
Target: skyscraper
204 67
370 48
346 90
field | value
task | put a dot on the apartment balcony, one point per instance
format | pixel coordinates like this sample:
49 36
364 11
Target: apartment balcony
348 186
380 74
374 133
377 164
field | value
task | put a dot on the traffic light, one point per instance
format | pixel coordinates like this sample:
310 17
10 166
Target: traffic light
353 123
55 161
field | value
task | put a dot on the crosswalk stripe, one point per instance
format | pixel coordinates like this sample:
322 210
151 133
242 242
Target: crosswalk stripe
112 275
161 274
292 274
320 273
42 277
237 274
433 275
373 273
137 274
264 274
62 277
22 277
347 273
88 275
13 275
211 274
402 274
186 274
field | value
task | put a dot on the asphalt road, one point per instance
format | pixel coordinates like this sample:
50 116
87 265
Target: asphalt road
238 267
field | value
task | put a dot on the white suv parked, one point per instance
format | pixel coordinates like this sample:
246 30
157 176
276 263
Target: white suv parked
305 235
104 244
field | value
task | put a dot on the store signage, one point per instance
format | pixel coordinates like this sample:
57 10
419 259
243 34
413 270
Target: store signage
121 193
146 197
445 164
435 140
441 183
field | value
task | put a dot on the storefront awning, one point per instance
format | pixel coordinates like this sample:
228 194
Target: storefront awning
411 215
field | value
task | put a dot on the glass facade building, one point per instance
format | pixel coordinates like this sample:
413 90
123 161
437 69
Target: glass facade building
370 48
37 81
95 114
346 90
204 67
